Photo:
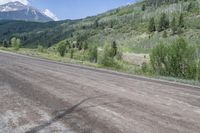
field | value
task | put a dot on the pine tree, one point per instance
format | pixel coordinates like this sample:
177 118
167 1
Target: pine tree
114 48
72 53
190 6
68 46
96 23
181 21
152 26
143 7
85 46
173 26
164 22
5 43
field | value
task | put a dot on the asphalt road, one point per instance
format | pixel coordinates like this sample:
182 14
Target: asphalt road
38 96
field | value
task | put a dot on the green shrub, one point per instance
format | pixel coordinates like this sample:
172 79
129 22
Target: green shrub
93 54
158 58
163 23
176 60
111 55
85 46
119 54
144 67
40 48
152 26
15 43
106 60
62 49
165 34
72 53
5 44
107 57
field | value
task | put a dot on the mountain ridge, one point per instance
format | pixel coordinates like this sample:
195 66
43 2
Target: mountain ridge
19 11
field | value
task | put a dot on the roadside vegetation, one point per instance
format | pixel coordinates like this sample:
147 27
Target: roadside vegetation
176 60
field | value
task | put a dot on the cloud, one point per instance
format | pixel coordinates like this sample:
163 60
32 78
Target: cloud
50 14
6 1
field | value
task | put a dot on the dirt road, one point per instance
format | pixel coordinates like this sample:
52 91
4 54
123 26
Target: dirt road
39 96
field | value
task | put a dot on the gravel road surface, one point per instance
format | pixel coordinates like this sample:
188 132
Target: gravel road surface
39 96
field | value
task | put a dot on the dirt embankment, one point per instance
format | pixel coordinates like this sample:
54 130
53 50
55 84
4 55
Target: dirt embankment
136 59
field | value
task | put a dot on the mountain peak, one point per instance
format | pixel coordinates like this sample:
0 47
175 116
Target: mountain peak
12 6
15 3
19 11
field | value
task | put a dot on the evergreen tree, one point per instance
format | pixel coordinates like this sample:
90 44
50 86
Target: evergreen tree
157 3
152 26
181 21
85 46
163 23
80 44
190 6
5 43
173 26
143 7
72 53
96 23
68 46
114 49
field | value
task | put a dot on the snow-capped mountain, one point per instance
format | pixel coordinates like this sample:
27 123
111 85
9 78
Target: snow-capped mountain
19 11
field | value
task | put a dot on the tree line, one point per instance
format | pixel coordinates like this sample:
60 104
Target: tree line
14 42
164 24
106 56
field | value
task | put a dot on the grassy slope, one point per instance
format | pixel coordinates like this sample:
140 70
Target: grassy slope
130 26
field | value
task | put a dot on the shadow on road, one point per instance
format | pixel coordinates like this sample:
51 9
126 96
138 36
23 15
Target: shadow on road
59 116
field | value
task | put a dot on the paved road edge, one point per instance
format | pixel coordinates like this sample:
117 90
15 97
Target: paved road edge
112 72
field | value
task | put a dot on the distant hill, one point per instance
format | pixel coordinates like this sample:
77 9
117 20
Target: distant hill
19 11
127 25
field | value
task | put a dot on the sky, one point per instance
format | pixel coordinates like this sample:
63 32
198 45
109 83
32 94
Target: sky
72 9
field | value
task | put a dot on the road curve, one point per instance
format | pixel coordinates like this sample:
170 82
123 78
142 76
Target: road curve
39 96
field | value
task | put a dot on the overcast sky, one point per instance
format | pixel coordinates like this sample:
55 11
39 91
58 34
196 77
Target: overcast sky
73 9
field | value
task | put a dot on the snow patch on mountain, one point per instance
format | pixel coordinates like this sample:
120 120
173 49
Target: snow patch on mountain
19 11
50 14
12 6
